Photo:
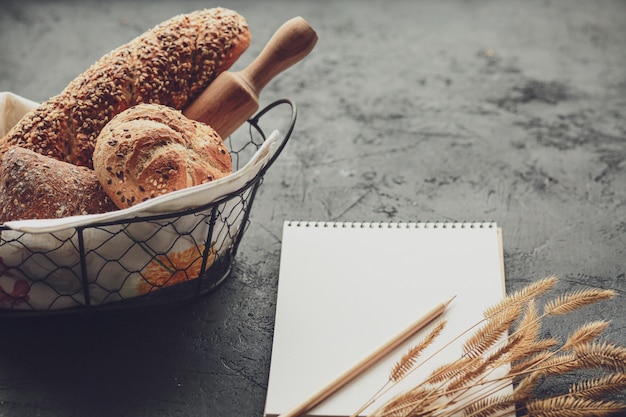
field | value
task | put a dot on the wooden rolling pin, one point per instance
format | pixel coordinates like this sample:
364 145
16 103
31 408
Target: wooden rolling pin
233 97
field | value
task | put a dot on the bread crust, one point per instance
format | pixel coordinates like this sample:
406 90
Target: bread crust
170 64
34 186
150 150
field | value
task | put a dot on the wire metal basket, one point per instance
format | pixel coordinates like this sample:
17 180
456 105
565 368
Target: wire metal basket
140 261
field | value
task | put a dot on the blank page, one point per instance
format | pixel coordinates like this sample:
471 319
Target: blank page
346 288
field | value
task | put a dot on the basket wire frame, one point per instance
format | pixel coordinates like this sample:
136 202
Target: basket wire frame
214 231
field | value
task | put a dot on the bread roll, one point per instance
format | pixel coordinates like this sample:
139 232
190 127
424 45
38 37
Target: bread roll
150 149
34 186
170 64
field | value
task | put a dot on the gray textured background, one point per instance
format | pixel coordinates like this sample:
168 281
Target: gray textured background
459 110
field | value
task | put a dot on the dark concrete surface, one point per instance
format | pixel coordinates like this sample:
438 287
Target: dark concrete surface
456 110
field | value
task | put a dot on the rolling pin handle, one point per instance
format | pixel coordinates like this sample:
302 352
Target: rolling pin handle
233 97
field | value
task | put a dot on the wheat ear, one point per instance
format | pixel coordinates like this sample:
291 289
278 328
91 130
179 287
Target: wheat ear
567 406
585 333
522 296
408 360
574 300
601 355
418 399
492 332
598 387
464 384
406 364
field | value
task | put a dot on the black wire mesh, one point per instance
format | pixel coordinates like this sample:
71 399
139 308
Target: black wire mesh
141 261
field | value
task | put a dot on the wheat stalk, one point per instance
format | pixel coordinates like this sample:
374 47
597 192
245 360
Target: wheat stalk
567 303
585 334
601 355
522 296
406 364
567 406
599 387
408 361
468 386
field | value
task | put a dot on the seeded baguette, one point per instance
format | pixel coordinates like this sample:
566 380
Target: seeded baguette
34 186
150 150
170 64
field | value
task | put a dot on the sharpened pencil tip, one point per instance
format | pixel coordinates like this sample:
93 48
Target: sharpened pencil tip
447 303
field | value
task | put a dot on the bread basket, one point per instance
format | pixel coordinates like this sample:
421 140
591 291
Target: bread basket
174 248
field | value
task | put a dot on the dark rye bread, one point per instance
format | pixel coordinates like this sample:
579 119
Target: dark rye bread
170 64
33 186
150 150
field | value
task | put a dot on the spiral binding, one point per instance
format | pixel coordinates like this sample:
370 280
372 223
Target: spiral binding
392 225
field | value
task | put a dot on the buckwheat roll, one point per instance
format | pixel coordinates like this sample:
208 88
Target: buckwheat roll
150 150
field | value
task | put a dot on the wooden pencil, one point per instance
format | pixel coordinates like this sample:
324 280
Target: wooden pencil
366 362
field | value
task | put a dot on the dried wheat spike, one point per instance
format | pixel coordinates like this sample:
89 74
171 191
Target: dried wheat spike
417 400
566 406
530 324
524 389
585 334
527 365
574 300
492 332
446 371
488 407
602 355
408 360
522 296
526 353
559 364
598 387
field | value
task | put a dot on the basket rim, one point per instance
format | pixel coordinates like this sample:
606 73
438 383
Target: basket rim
253 123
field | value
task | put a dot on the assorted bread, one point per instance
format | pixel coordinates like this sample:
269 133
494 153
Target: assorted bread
148 147
150 150
170 64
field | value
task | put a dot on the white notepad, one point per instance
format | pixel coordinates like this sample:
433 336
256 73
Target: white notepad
344 289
